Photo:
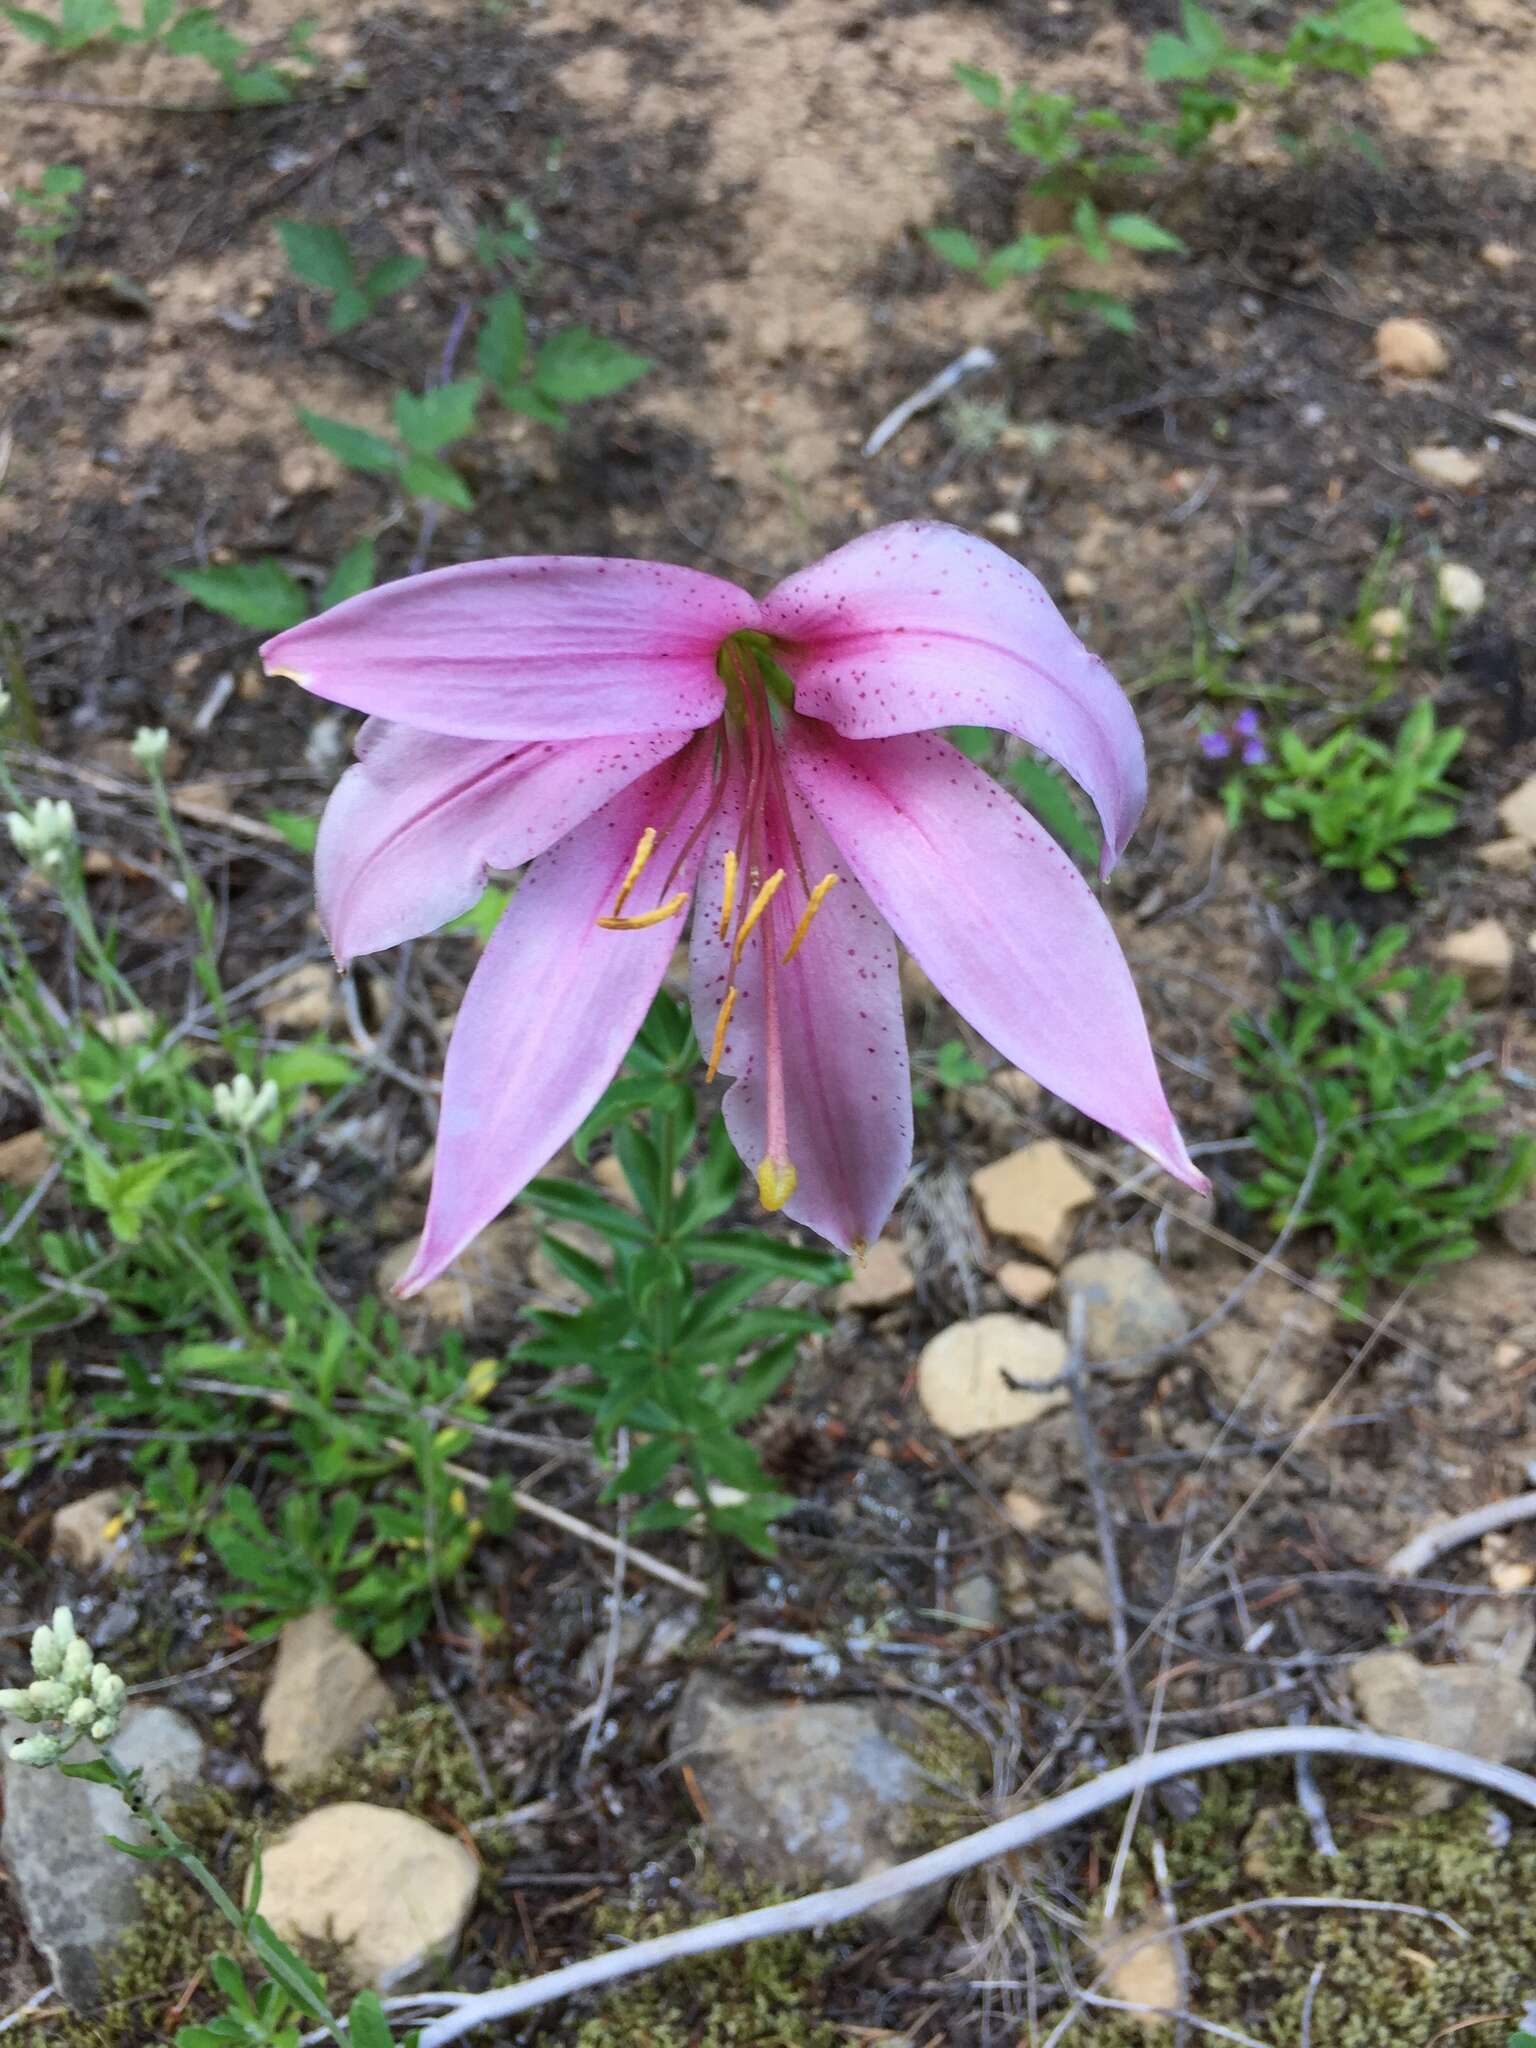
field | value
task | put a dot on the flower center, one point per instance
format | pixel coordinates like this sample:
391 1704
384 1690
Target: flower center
763 874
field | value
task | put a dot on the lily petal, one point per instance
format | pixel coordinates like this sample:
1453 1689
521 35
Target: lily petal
548 1016
847 1086
529 647
919 625
409 834
1000 920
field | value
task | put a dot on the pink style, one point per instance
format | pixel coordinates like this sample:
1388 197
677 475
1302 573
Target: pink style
651 742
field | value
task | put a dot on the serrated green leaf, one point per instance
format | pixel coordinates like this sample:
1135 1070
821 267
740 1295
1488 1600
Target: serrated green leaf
357 447
352 575
955 246
261 594
317 255
423 476
576 365
1137 231
502 343
436 418
984 86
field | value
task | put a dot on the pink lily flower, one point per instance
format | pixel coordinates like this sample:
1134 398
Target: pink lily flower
648 741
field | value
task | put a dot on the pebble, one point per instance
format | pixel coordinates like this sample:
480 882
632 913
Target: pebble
1452 468
880 1280
1025 1283
1025 1512
304 1000
1387 623
1078 583
807 1793
1484 956
324 1691
88 1533
1517 811
1140 1965
392 1891
1006 523
1410 348
1033 1196
1501 1633
1499 255
975 1599
1508 856
475 1285
1077 1579
24 1159
1517 1226
80 1895
1481 1709
1461 589
1130 1308
960 1375
449 250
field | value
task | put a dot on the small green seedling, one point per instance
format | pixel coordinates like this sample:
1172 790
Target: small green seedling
197 32
269 598
320 257
570 367
47 214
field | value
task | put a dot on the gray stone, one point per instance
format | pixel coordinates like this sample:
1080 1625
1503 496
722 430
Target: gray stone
79 1895
1496 1632
975 1599
1483 1710
807 1793
1129 1306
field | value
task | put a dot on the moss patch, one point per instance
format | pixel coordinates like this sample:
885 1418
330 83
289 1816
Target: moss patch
1388 1979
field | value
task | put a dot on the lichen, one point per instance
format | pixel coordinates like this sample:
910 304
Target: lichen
1388 1979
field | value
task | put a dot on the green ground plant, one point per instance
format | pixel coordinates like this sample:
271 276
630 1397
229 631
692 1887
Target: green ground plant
1082 158
1364 1066
47 212
193 32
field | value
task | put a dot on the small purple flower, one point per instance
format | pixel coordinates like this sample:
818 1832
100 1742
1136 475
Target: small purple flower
1242 737
1215 745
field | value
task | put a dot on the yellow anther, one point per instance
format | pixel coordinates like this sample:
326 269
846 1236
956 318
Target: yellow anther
718 1048
759 904
646 918
730 891
643 853
817 897
776 1180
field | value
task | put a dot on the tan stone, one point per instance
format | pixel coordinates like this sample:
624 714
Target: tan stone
1452 468
1484 956
304 1000
24 1159
1078 583
1482 1710
1499 255
1025 1512
1078 1579
1410 348
1033 1196
1508 856
1140 1966
1461 589
1006 523
960 1379
390 1890
324 1691
1517 812
88 1533
880 1280
1024 1282
477 1280
610 1177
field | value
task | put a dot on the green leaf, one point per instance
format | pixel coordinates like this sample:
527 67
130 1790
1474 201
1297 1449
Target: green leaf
97 1772
310 1066
36 27
955 246
438 417
317 255
502 342
576 365
1136 231
1380 26
353 574
532 404
423 476
366 2025
483 918
1021 258
1045 792
261 595
391 274
349 309
62 181
355 446
984 86
300 831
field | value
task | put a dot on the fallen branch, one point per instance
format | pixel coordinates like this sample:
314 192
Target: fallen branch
935 389
846 1902
1421 1553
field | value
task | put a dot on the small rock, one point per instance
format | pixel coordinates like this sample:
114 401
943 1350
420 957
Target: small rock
999 1104
880 1280
1006 523
24 1159
1077 1579
1499 255
449 250
1511 1575
1025 1283
324 1691
1482 1710
80 1895
1079 584
392 1891
1130 1308
1505 856
1499 1633
1033 1195
634 1634
805 1793
1025 1512
975 1599
1484 956
1410 348
611 1178
1517 812
213 794
304 1000
1387 623
88 1533
960 1375
1452 468
478 1283
1517 1226
1461 589
1141 1967
302 470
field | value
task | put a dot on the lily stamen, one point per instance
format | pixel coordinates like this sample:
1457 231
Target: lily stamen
722 1023
729 902
643 853
817 897
646 918
758 905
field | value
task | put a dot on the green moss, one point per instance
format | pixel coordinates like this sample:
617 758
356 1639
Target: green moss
766 1995
1388 1980
417 1763
956 1767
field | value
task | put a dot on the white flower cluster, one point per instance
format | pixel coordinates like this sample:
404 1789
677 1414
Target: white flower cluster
46 837
240 1105
149 746
72 1695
